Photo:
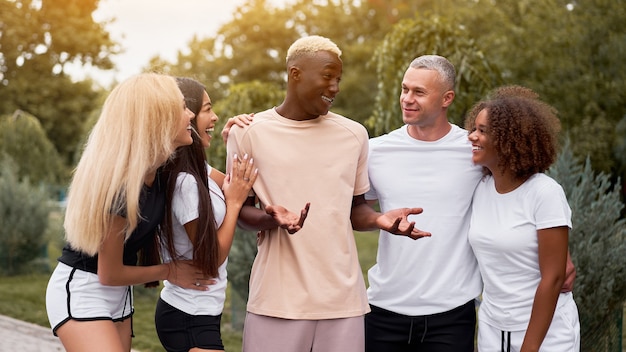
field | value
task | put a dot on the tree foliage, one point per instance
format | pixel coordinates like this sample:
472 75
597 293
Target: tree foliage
23 139
38 40
429 35
597 246
24 218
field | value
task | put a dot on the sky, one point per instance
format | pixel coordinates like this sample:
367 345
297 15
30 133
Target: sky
145 28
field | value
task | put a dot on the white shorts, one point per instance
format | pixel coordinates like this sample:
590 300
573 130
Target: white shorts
563 334
79 295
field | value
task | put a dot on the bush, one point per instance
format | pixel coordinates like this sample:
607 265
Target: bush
598 250
24 214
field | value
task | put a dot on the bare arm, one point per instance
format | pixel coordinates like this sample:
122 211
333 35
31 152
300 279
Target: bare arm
552 259
365 218
113 272
253 218
236 188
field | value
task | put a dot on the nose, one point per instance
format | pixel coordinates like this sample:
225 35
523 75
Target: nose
215 117
471 136
334 87
190 114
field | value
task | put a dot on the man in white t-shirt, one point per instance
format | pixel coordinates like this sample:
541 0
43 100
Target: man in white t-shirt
422 292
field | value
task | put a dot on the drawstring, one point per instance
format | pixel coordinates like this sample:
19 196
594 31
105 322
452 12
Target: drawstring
508 348
423 334
129 297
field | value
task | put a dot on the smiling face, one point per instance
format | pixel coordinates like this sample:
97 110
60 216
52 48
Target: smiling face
205 120
317 76
184 133
483 151
423 97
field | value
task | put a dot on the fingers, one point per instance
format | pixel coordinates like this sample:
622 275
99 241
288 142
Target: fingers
243 168
239 120
417 234
303 214
414 211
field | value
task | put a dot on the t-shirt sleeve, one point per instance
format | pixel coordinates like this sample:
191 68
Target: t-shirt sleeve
185 200
362 183
552 209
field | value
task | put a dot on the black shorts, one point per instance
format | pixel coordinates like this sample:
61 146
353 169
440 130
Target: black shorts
451 331
179 331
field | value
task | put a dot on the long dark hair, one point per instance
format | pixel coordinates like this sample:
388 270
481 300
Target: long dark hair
192 160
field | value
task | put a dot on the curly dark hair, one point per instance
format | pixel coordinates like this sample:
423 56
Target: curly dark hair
523 129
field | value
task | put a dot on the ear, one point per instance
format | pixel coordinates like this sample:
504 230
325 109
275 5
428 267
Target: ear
294 72
448 98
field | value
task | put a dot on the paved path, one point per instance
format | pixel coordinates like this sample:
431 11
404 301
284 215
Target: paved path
17 335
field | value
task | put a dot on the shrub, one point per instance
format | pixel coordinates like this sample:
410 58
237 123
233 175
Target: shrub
598 250
24 217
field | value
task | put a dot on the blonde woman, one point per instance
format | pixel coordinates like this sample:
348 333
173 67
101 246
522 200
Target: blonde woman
116 202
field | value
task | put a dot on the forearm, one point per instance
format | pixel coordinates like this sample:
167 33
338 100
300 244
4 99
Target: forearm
255 219
126 275
226 232
364 218
544 305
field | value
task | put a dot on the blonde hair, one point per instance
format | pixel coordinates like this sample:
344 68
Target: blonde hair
310 45
133 136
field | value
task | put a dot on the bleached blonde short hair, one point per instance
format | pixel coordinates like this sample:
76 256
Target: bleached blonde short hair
309 45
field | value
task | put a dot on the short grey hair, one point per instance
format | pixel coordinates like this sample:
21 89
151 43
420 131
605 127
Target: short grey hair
440 64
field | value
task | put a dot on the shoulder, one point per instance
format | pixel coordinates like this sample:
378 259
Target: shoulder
544 183
185 180
354 127
260 119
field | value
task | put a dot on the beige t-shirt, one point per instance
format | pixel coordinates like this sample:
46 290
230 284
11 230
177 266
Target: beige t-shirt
314 273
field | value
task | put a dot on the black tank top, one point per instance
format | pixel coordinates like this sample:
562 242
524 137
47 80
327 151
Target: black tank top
152 210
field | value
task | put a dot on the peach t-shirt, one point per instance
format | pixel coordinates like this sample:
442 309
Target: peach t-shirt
314 273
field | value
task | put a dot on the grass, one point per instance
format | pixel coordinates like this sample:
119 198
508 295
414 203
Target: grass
24 298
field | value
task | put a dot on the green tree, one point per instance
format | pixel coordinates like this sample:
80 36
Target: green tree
24 217
244 98
429 35
598 249
570 52
38 40
23 139
251 48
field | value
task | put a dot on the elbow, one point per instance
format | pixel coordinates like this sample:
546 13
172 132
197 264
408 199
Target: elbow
106 279
554 282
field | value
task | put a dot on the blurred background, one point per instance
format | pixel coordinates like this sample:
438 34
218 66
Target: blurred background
60 58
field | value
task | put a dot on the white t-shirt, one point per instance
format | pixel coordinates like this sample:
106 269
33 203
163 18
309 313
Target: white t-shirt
430 275
503 235
184 210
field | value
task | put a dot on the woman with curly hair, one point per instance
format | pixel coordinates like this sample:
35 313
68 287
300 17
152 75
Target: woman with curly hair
519 226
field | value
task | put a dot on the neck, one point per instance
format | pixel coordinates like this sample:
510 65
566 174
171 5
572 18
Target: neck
505 182
429 133
293 114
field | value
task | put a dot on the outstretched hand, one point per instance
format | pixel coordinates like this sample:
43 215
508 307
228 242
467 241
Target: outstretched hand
239 120
287 220
396 222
